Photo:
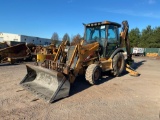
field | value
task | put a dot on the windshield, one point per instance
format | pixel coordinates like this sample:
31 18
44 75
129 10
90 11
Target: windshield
95 34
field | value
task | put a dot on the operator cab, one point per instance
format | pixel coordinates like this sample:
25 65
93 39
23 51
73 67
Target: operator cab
106 34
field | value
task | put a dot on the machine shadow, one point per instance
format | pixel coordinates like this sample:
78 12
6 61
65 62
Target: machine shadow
81 84
136 65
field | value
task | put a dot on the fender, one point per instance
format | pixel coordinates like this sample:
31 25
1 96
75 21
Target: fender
116 51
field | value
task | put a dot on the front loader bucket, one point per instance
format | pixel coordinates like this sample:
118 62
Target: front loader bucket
47 84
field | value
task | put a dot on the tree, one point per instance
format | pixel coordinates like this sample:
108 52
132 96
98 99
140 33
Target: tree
154 39
146 37
76 39
54 38
134 36
66 37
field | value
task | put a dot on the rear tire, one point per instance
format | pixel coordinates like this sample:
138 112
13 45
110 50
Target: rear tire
118 64
93 74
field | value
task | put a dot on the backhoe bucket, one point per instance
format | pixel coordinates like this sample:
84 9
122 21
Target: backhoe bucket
47 84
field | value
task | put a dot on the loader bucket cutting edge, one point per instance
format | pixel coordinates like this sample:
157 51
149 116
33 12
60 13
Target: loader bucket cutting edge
44 83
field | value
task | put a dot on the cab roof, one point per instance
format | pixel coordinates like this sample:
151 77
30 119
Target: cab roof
102 23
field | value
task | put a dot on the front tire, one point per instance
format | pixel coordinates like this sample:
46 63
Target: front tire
118 64
93 74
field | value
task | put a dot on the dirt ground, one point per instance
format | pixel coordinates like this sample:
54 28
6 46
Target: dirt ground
121 98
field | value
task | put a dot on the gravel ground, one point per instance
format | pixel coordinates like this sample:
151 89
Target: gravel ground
120 98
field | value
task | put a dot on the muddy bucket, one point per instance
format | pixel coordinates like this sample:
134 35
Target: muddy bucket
44 83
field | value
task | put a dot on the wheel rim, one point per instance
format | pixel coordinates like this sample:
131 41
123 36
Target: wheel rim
119 63
96 74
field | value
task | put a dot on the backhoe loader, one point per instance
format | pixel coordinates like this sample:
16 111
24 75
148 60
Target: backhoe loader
100 51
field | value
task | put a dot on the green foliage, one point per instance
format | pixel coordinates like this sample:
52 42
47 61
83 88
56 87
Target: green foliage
148 38
134 36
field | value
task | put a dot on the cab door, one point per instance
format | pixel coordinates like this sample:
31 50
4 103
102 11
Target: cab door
112 41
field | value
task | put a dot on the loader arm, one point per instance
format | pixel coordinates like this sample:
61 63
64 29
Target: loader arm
60 50
86 55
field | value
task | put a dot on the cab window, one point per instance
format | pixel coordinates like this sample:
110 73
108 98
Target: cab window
96 34
112 36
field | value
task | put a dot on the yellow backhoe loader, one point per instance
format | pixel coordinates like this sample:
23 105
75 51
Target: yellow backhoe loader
100 51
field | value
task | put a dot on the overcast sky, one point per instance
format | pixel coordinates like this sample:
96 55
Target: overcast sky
43 17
